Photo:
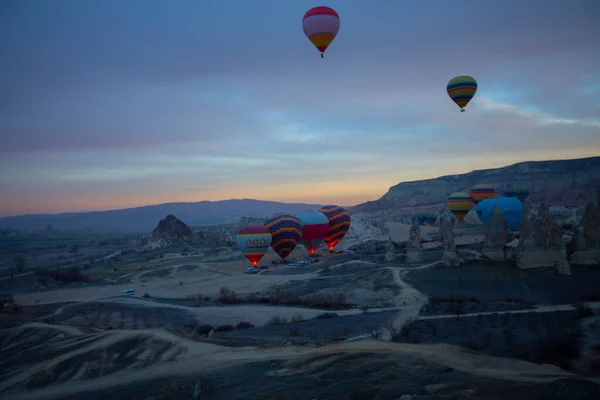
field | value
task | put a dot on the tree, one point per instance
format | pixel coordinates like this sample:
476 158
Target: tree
20 262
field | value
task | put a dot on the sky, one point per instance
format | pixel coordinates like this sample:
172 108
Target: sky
108 104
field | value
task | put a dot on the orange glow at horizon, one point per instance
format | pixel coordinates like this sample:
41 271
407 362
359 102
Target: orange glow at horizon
54 200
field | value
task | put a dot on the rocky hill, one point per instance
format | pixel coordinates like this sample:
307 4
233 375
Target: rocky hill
562 182
172 227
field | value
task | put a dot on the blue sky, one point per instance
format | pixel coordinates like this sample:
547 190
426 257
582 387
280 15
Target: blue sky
118 103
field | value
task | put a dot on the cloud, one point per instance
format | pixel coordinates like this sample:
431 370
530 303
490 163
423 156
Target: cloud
122 99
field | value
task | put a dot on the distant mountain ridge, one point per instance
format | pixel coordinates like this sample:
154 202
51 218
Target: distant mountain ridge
556 182
144 219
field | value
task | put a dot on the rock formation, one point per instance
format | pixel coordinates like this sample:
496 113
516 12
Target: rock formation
414 248
564 182
496 236
542 245
585 247
393 250
450 257
172 227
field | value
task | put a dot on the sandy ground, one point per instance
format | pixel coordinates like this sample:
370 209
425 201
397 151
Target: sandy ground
174 285
199 357
222 315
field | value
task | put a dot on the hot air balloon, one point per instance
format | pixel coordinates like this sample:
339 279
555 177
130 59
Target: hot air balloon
339 224
426 218
253 242
482 192
520 193
450 216
316 226
459 204
321 25
286 231
512 209
461 90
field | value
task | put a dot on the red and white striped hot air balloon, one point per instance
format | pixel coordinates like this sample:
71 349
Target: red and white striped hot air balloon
316 225
321 25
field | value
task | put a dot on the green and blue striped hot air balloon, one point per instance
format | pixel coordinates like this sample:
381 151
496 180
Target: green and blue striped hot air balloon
461 90
426 218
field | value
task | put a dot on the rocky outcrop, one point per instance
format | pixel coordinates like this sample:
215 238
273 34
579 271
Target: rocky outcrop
172 227
450 256
542 245
414 248
564 182
585 247
393 250
370 247
496 236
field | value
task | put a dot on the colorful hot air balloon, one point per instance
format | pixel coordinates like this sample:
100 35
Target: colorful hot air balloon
339 224
482 192
461 90
316 226
321 25
520 193
253 242
426 218
286 231
459 204
512 209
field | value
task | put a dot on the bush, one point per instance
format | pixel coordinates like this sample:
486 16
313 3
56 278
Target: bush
227 296
281 297
227 327
277 321
327 315
297 318
244 325
334 301
69 276
197 297
204 329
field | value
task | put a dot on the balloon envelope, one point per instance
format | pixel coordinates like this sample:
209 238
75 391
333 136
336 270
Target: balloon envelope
450 216
459 204
253 242
512 209
286 231
316 226
321 25
520 193
482 192
461 90
426 218
339 224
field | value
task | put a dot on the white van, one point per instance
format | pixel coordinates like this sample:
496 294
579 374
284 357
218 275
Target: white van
128 292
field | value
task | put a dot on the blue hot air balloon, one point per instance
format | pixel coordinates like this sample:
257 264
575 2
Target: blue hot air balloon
512 209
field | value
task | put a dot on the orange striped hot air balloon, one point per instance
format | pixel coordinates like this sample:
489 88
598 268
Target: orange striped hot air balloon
482 192
459 204
321 25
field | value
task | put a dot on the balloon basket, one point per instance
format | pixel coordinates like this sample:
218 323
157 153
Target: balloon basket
462 110
322 55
